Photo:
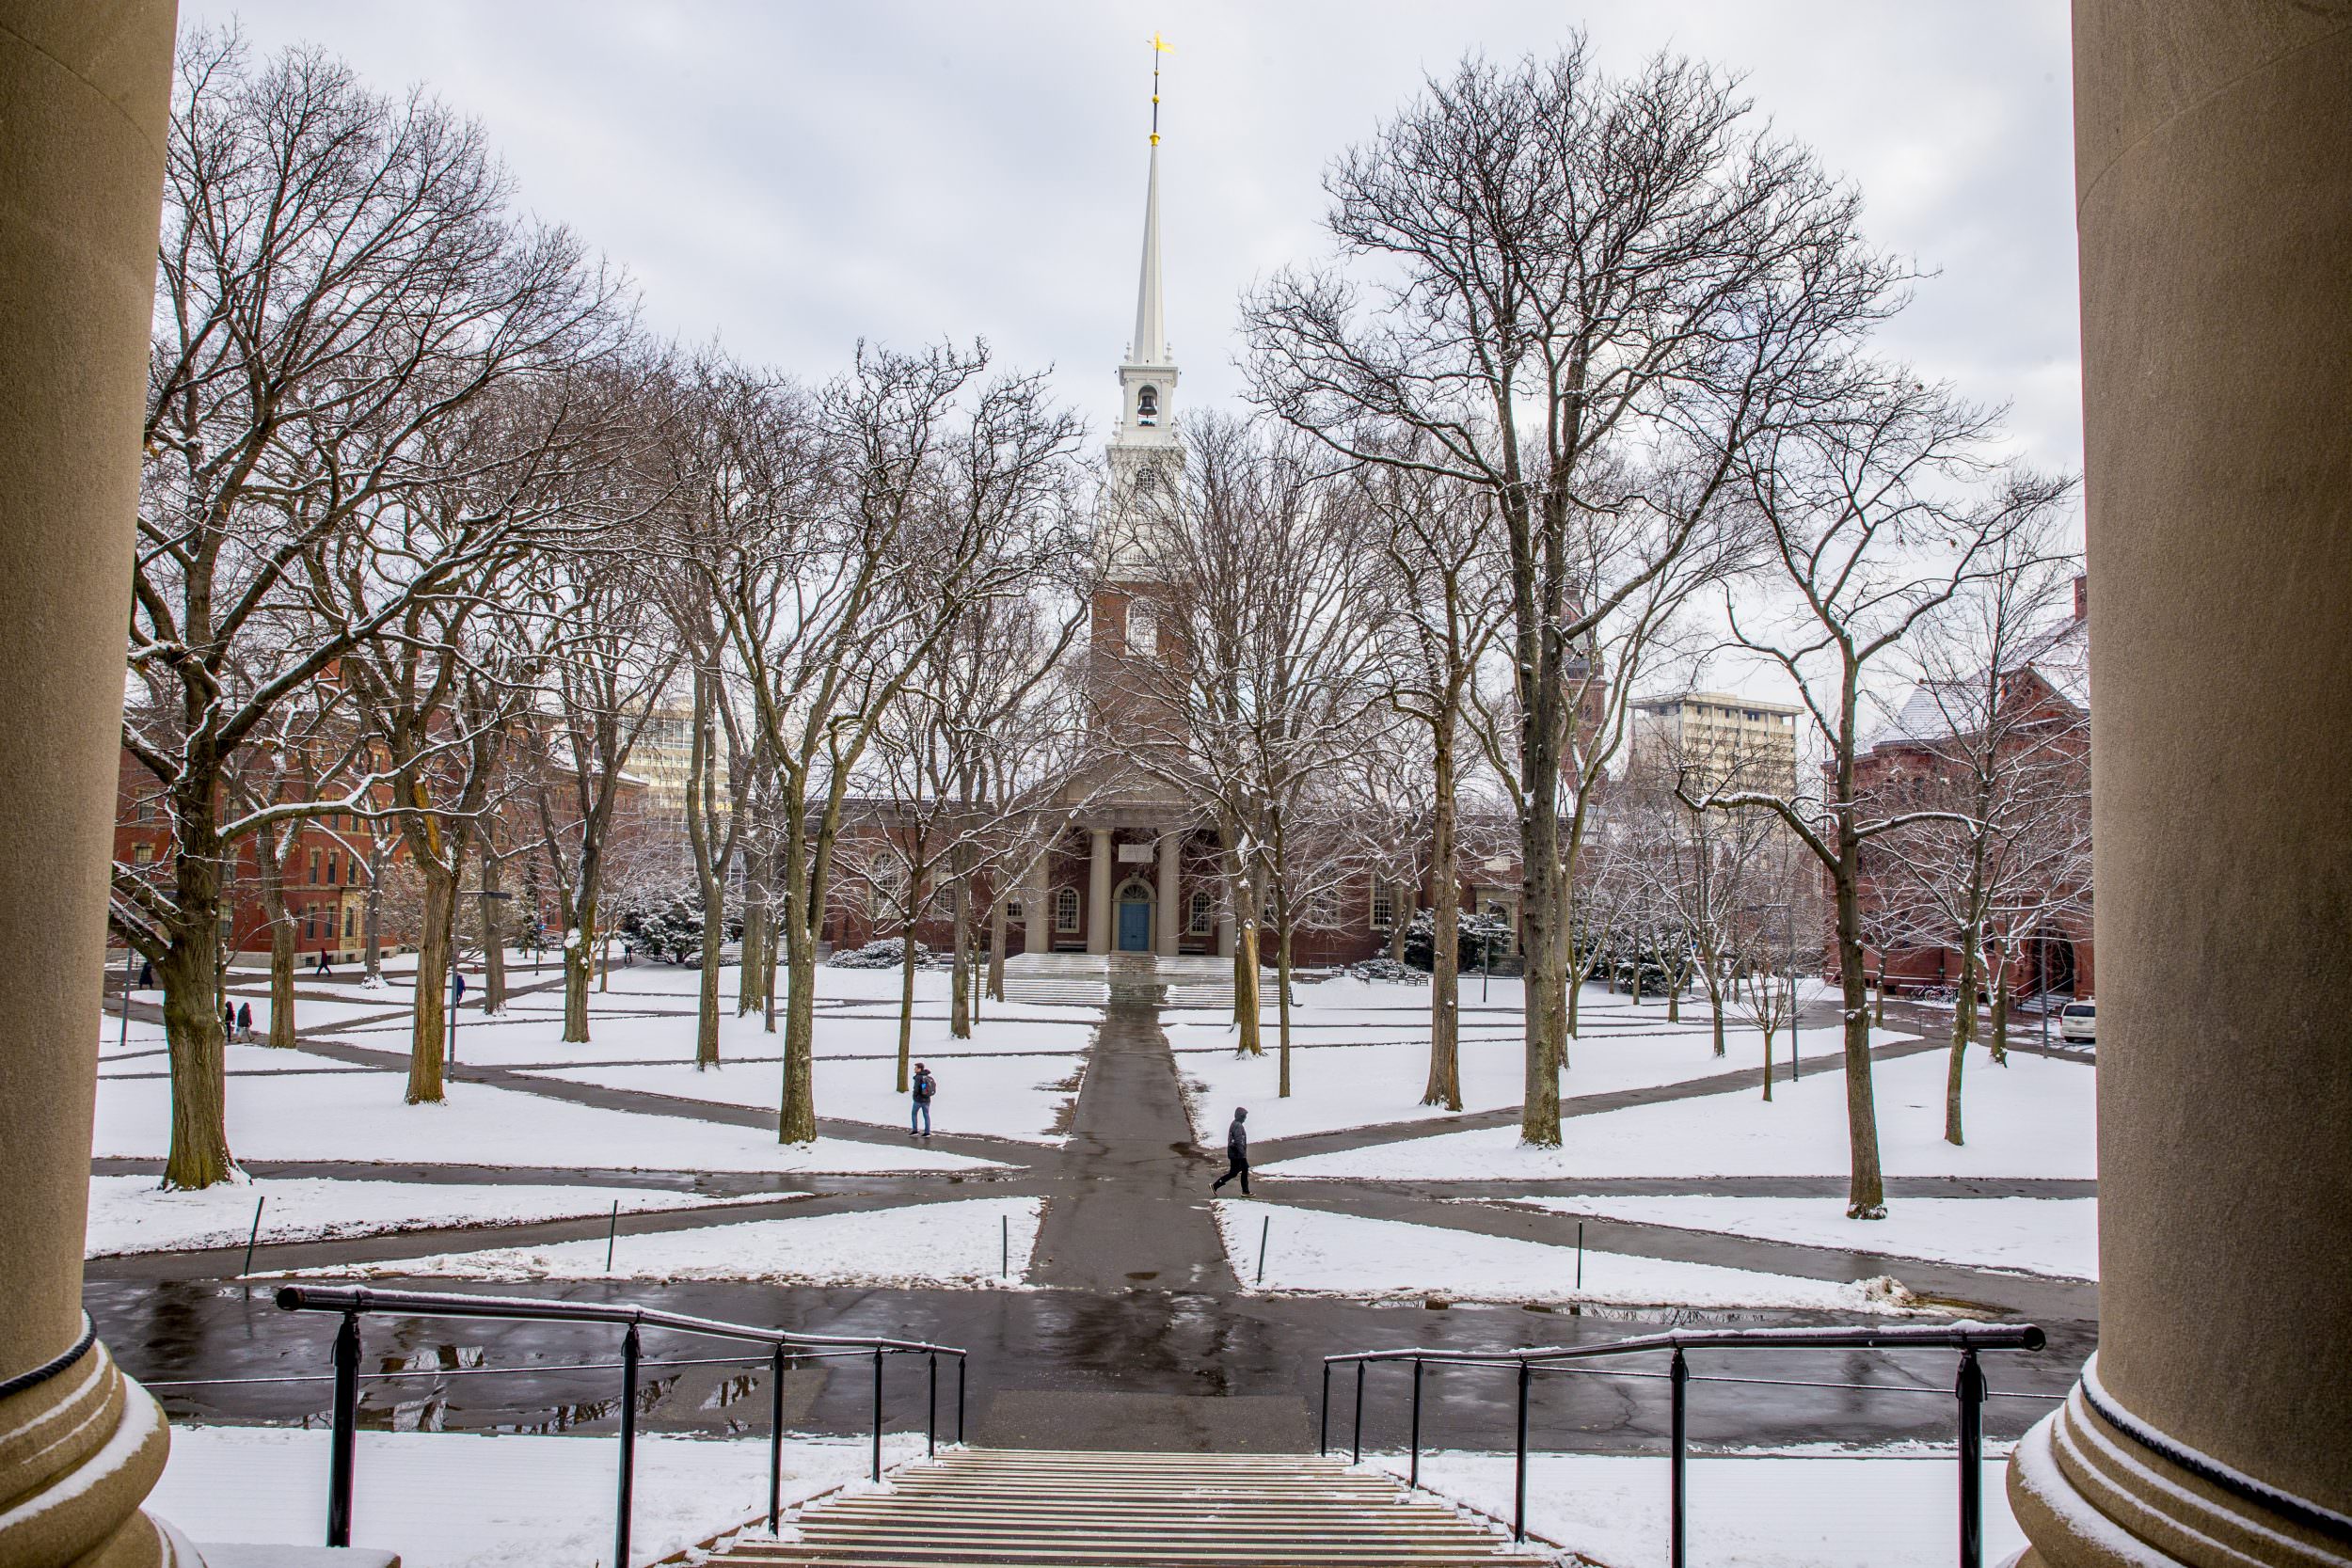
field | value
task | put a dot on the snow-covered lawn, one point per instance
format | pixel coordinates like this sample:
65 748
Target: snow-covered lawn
2035 1235
954 1243
459 1500
360 1117
1002 1096
1757 1513
1336 1084
2032 1118
130 1214
1311 1252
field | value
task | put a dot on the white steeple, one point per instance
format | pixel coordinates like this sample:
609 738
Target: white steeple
1149 345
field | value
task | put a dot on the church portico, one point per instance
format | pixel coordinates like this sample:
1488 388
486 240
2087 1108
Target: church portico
1131 883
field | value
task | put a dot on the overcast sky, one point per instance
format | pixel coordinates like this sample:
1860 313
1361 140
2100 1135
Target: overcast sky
789 178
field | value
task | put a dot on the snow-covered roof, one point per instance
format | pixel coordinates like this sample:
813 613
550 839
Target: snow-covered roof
2060 656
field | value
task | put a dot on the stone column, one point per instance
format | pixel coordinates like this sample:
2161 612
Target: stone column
1037 909
1099 894
2214 181
1172 919
87 92
1225 938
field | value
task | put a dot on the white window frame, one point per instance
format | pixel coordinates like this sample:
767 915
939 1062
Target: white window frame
1066 911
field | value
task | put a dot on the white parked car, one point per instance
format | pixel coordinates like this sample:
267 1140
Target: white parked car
2077 1020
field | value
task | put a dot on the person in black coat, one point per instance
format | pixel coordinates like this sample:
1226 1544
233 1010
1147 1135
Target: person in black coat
245 1021
1236 1152
925 1086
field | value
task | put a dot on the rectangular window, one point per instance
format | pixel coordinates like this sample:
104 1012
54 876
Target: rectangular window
1383 906
142 853
314 866
145 810
1203 912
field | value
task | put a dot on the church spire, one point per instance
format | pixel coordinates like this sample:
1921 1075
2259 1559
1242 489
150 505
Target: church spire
1150 346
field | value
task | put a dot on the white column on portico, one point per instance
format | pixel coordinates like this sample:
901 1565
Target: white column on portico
1172 918
1099 894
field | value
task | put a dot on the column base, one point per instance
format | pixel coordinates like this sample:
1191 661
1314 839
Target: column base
79 1451
2091 1492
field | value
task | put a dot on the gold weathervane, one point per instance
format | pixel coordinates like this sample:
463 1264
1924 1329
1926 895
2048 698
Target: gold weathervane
1159 47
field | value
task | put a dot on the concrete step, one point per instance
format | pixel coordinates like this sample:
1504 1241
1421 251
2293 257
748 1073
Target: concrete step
977 1508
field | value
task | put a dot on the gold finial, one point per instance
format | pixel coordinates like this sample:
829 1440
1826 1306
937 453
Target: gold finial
1159 47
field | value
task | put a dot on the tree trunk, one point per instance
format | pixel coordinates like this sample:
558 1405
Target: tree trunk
707 1006
753 970
906 1003
283 954
768 986
1866 1194
1246 1003
372 962
493 940
579 962
1675 982
996 935
1714 999
1963 1030
1402 899
1444 1086
1282 1007
189 973
959 1008
796 1110
428 1032
2000 1006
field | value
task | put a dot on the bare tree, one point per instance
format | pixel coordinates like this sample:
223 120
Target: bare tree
1566 271
1883 504
339 277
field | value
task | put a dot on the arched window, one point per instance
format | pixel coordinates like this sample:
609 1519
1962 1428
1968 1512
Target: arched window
1066 911
1143 628
1148 405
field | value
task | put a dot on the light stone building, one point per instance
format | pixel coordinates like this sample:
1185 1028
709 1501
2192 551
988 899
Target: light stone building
1720 731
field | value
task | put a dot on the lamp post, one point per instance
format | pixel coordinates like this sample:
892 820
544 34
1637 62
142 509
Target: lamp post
1498 864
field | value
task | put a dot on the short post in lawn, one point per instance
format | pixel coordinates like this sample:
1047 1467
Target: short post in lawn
128 975
1008 1239
1579 1255
254 1235
612 1234
1265 1228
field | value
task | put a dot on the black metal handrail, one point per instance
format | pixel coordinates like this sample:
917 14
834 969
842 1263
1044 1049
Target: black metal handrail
1969 1389
355 1302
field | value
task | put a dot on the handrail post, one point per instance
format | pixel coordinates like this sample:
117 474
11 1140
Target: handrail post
1358 1457
628 1445
961 1360
930 1412
1323 1423
878 1416
775 1438
1678 1376
1519 1466
343 1439
1970 1390
1413 1474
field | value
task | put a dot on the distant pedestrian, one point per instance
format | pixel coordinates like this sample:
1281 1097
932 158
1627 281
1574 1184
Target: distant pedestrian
1236 1152
245 1021
925 1086
146 975
229 1020
321 965
461 987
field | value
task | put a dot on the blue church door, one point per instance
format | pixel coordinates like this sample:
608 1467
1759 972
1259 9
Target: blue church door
1135 926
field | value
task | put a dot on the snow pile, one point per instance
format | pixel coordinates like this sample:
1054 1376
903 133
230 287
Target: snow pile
887 954
961 1244
1756 1510
2057 1236
1386 970
502 1501
1309 1252
130 1214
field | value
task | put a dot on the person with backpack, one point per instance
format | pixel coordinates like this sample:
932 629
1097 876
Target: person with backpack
1236 1152
245 1021
925 1086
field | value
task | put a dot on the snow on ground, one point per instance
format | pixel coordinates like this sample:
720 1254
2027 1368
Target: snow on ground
961 1244
1311 1252
1754 1512
2032 1118
130 1214
2035 1235
359 1115
1338 1082
1002 1096
496 1501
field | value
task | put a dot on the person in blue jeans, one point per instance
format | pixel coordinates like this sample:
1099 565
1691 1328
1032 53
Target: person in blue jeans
925 1086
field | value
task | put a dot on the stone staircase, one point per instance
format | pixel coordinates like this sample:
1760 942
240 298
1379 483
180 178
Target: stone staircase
1058 979
1021 1508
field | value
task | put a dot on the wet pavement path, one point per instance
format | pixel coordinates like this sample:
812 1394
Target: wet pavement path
1138 1335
